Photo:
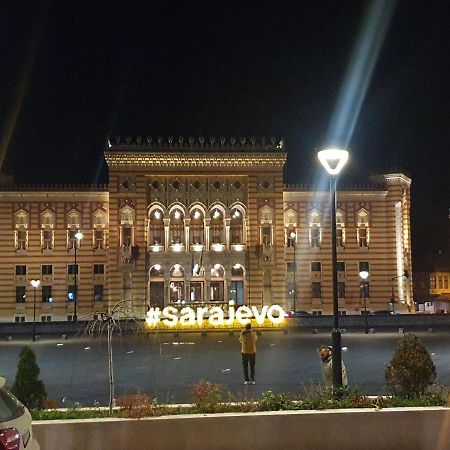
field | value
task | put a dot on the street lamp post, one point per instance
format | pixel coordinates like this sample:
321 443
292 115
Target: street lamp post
333 160
364 274
294 243
35 284
78 237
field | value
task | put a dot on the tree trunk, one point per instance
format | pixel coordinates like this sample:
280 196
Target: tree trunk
111 369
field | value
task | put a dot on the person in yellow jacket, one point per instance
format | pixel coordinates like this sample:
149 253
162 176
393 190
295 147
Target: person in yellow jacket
248 340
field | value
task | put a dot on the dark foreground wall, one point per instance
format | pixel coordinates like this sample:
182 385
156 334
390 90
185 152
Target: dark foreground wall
388 429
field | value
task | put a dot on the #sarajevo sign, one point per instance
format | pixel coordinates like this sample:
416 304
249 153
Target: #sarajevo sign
214 316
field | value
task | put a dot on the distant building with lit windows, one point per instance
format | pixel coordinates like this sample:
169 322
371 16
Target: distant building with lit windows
200 220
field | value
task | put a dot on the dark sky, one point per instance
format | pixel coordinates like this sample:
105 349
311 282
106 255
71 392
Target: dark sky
72 73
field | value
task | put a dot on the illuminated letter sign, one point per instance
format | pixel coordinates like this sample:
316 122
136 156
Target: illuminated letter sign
214 316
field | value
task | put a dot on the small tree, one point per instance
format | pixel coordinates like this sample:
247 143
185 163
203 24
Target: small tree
27 387
411 370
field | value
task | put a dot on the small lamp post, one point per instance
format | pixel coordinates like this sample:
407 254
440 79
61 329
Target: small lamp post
78 237
333 160
364 274
35 284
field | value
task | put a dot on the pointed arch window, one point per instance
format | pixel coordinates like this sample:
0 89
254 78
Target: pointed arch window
48 221
290 227
197 227
216 230
363 228
156 228
315 228
22 221
340 228
237 226
266 221
99 222
176 229
127 219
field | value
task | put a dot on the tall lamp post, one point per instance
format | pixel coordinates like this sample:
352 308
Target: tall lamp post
294 243
333 160
35 284
78 237
364 274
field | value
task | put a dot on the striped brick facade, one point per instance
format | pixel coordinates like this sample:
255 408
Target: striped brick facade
196 220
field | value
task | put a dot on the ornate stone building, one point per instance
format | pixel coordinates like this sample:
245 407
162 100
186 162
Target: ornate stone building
186 220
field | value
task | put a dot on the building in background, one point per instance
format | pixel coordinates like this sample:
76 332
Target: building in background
432 284
200 220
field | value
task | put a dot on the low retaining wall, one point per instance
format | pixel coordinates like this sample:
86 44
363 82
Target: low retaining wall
355 429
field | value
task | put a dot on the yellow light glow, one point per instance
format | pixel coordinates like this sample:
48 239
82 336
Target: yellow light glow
214 317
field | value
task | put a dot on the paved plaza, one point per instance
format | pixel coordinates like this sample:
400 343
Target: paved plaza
165 367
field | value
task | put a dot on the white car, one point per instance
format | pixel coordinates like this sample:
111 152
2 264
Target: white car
15 423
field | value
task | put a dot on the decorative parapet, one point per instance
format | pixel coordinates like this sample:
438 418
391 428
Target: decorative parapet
39 187
198 143
198 160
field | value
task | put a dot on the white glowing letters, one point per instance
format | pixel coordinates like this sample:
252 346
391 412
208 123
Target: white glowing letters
214 315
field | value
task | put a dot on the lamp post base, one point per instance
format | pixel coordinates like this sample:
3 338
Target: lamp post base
336 342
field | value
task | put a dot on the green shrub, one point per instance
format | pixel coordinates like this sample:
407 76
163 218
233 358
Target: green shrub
411 370
274 402
27 387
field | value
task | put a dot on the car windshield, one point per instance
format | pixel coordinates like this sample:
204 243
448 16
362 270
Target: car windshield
10 407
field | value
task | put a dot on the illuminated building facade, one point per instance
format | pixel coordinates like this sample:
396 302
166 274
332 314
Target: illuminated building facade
199 220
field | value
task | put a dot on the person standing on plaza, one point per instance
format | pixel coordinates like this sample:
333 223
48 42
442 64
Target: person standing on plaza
248 340
326 356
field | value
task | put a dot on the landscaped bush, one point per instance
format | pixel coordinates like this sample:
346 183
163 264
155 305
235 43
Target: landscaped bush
411 370
207 396
27 387
139 405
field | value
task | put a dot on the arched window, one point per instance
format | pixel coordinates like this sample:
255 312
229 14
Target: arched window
362 230
237 227
99 222
216 230
340 228
176 227
22 221
236 291
315 228
156 271
176 285
197 227
47 226
127 218
266 220
217 284
73 221
156 229
290 226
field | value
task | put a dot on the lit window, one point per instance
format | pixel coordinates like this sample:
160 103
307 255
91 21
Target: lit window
99 239
362 231
21 240
47 239
432 282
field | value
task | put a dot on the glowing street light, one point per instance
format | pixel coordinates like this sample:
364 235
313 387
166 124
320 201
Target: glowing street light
35 284
333 160
364 275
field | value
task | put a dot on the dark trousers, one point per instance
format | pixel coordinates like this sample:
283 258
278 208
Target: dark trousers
246 360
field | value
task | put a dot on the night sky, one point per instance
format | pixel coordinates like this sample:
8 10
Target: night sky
72 73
